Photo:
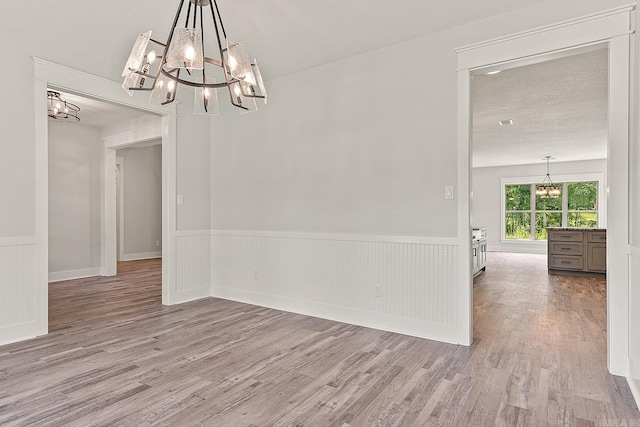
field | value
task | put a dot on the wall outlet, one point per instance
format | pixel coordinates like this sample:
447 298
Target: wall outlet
157 243
377 290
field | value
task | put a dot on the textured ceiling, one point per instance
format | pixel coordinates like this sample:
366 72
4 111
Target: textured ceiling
558 108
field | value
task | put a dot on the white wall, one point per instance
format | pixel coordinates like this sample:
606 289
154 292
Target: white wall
355 150
486 206
74 201
193 166
142 205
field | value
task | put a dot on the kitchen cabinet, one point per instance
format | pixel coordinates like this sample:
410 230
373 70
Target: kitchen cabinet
479 250
577 251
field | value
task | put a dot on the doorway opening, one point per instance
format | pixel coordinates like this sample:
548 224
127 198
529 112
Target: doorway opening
612 28
76 192
71 81
521 114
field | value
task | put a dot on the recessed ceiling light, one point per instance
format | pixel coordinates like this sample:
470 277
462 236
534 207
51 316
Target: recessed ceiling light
506 122
490 73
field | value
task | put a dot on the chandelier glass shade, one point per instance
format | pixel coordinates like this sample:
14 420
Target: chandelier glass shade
195 55
60 110
547 189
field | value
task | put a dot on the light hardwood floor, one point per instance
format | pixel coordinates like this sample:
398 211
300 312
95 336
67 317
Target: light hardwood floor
116 356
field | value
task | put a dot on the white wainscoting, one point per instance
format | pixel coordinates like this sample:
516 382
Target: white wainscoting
336 277
634 321
193 266
17 289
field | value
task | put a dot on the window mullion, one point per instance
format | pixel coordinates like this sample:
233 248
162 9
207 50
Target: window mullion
565 204
532 199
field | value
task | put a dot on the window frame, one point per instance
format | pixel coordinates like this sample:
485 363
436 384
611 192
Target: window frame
600 178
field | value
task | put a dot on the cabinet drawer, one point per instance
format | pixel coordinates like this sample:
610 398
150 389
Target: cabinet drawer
565 236
597 236
566 248
566 262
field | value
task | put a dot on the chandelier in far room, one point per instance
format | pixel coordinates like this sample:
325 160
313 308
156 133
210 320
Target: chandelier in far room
184 59
61 110
547 189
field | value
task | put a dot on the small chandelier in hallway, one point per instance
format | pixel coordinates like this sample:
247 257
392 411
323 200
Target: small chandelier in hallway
61 110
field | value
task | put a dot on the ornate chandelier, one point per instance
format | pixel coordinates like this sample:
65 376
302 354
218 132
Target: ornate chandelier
61 110
547 189
184 59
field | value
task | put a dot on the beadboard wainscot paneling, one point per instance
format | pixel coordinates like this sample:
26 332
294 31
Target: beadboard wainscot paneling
193 265
17 289
634 321
336 277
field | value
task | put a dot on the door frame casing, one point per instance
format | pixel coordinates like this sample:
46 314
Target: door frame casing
613 28
51 75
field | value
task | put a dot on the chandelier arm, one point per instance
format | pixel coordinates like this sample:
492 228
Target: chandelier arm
186 21
224 33
224 66
157 42
195 17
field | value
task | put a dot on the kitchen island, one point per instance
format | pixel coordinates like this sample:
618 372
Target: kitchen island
577 251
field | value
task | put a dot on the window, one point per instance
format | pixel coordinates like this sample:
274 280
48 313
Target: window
526 215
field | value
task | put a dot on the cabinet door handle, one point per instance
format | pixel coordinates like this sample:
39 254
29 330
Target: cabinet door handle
475 251
565 249
567 236
565 262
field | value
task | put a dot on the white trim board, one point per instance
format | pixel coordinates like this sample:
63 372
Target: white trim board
143 255
333 236
58 276
17 241
135 136
527 247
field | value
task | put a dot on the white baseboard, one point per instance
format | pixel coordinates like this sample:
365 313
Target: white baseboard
400 325
15 333
192 295
58 276
521 248
143 255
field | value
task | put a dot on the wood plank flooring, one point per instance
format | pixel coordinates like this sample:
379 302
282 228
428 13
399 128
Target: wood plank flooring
116 356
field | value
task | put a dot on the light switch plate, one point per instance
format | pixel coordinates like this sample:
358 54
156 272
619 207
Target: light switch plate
180 199
448 192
